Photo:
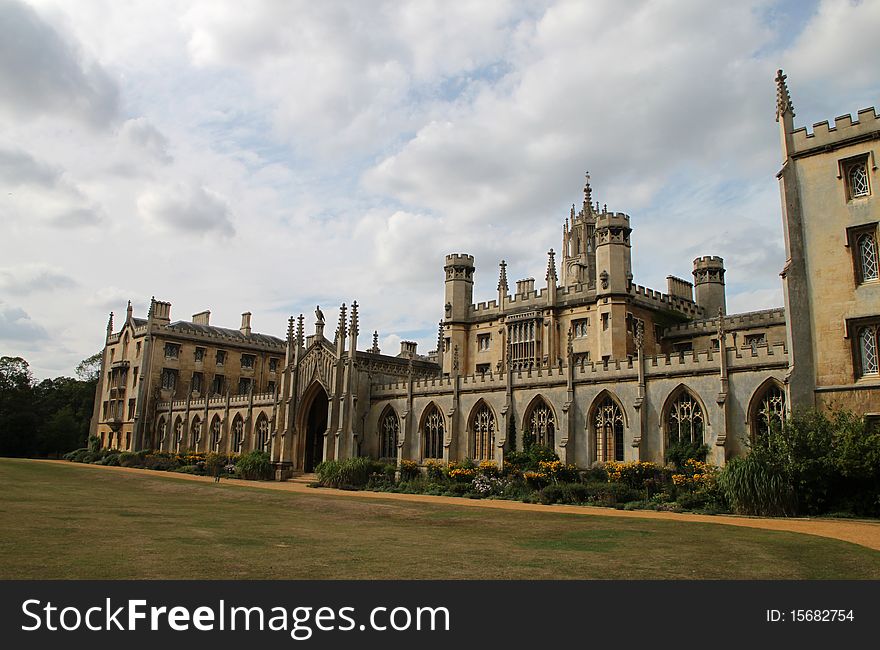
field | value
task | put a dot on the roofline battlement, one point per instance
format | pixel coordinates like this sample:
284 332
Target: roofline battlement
866 125
459 259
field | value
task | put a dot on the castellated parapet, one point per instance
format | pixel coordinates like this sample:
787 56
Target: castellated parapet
866 126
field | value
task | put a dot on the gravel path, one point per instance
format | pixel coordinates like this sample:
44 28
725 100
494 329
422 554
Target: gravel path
862 532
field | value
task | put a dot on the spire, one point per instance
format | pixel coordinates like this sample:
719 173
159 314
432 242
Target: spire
354 319
340 329
375 348
783 99
110 324
502 277
299 330
551 266
440 339
588 193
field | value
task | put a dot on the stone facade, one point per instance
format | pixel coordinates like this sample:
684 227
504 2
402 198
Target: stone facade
592 364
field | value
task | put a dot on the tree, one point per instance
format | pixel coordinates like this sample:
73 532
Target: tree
89 368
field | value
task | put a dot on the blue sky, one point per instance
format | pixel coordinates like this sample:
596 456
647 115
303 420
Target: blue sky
299 153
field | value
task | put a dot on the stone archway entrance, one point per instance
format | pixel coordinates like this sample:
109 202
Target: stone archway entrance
315 427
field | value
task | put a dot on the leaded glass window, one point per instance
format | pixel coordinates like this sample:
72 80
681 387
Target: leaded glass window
215 433
857 176
868 349
237 434
685 422
608 438
388 432
542 426
867 247
770 413
433 433
483 433
196 430
263 433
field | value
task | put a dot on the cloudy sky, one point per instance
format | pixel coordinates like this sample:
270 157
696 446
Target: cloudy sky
271 156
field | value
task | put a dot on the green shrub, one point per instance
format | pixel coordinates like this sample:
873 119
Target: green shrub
189 469
574 493
352 472
94 444
550 494
255 466
679 452
409 469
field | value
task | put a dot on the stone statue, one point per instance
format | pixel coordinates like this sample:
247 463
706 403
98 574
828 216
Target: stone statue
319 314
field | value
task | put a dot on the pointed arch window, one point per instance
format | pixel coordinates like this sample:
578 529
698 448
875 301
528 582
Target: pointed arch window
483 433
868 350
769 412
685 421
866 244
433 433
262 432
389 430
237 434
215 433
608 434
541 425
196 430
857 178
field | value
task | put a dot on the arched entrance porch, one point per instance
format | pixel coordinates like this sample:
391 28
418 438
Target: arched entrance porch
314 425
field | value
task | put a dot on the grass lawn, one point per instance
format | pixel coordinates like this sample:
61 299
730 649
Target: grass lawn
78 522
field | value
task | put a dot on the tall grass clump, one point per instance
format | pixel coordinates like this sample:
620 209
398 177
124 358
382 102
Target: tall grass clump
254 466
351 472
753 487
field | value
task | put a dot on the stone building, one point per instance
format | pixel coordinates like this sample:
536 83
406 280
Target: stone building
589 362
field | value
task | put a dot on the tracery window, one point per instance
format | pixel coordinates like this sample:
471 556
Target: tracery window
237 434
866 244
389 430
215 433
868 346
542 426
685 421
608 438
770 412
433 433
196 430
483 433
262 433
857 179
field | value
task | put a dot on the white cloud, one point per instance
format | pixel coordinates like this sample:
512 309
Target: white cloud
189 208
16 326
28 278
42 73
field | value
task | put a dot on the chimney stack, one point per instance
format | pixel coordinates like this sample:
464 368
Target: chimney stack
246 323
202 318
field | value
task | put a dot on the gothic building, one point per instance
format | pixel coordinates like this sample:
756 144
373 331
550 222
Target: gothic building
589 362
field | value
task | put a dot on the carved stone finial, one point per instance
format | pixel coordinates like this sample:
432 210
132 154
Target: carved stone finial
110 324
783 98
640 334
440 339
502 277
588 192
551 266
341 328
354 319
375 348
300 329
129 309
290 329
